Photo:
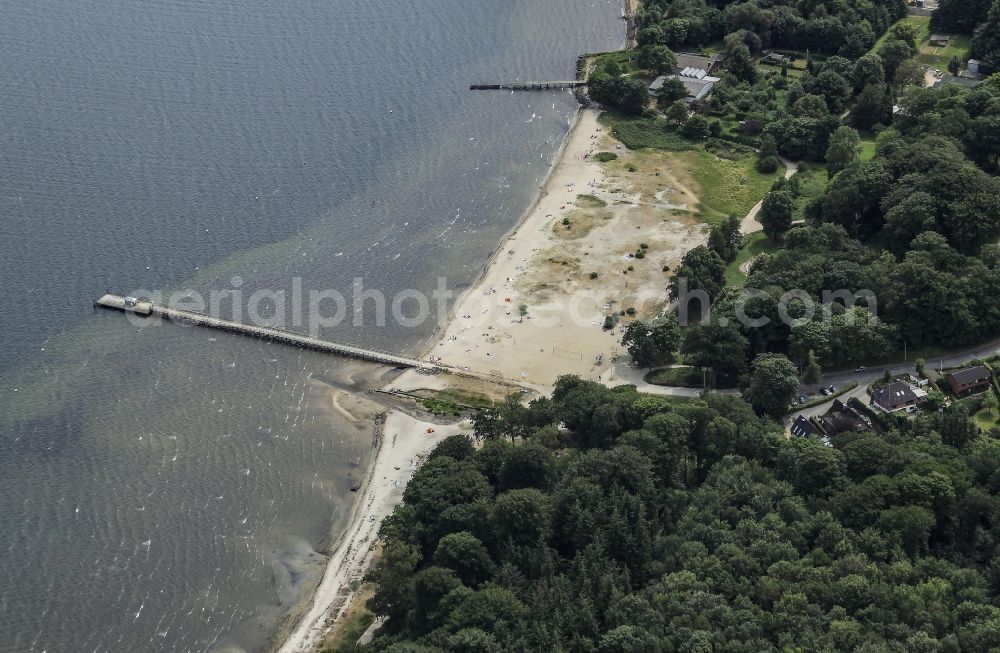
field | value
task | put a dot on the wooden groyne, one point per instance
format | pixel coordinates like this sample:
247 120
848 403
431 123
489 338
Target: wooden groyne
528 86
147 308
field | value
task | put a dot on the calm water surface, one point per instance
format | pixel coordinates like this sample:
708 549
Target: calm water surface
166 489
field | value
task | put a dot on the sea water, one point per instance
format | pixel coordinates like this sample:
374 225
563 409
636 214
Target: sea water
169 488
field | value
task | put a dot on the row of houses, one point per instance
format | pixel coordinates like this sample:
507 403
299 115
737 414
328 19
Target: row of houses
892 397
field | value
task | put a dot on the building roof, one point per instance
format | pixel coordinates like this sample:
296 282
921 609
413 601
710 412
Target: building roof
841 417
658 83
802 427
894 395
940 37
698 88
967 82
697 73
973 374
692 60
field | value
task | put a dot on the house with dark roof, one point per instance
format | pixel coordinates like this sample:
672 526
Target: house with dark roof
697 86
691 61
971 379
940 40
895 396
841 418
961 80
775 59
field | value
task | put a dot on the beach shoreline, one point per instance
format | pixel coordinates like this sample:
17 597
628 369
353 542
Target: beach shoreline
402 443
353 551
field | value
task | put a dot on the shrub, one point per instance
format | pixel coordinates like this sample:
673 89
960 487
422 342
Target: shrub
604 157
768 164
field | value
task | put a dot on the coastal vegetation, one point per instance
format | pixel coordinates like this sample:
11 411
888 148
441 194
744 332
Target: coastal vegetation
644 524
903 202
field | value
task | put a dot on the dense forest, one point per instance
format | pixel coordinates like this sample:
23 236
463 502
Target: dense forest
847 28
914 224
646 525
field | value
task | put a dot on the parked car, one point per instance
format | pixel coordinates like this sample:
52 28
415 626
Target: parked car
833 389
824 391
860 368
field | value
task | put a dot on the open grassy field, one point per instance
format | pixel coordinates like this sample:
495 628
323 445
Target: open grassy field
938 58
985 419
922 23
754 244
724 174
812 182
867 148
729 186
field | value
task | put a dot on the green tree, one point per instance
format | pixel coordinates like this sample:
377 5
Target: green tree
834 88
702 269
868 70
464 554
774 383
658 59
652 344
528 465
725 238
954 65
696 128
625 93
893 52
986 39
521 516
813 373
990 402
811 106
908 73
741 65
776 213
871 107
677 112
911 525
844 150
456 446
721 348
673 89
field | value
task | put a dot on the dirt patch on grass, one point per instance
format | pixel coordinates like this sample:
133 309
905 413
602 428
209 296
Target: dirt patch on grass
579 223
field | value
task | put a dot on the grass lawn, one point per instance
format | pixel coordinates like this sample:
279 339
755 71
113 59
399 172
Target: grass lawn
729 186
985 419
680 377
922 23
867 148
726 176
812 183
636 134
753 244
936 57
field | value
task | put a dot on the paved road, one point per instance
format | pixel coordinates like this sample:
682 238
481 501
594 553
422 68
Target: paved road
864 379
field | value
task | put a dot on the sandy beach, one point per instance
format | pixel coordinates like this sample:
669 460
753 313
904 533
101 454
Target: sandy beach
538 311
405 441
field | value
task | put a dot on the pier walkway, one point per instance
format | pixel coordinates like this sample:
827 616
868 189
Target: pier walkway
528 86
147 308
